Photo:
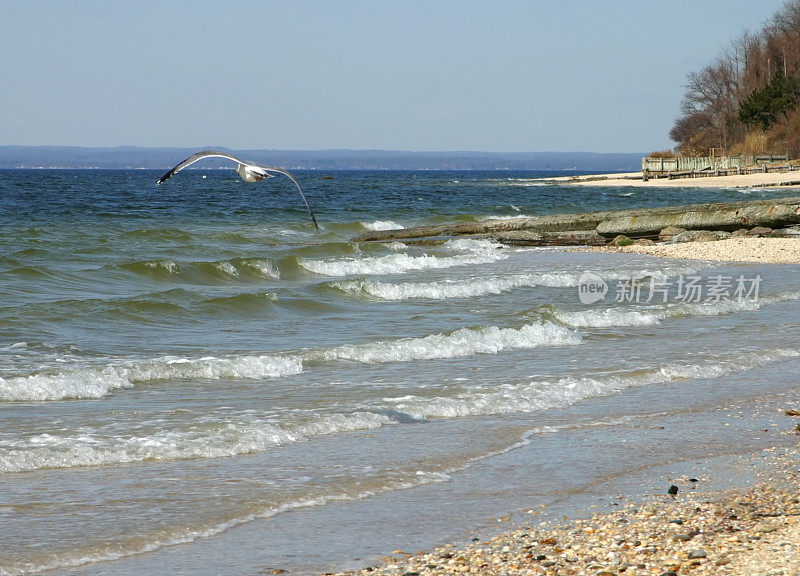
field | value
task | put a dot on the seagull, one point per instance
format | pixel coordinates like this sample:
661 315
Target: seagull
247 170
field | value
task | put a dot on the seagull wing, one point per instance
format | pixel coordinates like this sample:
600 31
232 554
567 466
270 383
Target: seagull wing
194 158
214 153
303 196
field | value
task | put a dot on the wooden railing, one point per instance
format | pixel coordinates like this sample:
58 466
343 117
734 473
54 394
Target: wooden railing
692 166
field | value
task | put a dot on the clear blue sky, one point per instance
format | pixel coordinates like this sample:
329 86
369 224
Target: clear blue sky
506 75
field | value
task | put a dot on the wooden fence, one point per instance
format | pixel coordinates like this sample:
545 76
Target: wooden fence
683 166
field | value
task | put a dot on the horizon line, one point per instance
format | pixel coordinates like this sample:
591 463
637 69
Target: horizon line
385 150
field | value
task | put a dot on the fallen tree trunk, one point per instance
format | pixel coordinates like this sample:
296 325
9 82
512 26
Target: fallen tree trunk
729 217
589 227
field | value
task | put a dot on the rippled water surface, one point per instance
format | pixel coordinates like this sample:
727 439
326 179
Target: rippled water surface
192 367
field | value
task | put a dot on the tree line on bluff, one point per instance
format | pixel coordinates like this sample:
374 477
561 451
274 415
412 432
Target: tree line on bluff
747 100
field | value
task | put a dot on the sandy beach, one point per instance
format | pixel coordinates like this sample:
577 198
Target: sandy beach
732 181
755 530
751 530
743 249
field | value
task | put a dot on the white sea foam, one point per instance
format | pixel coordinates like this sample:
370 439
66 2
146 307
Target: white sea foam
213 368
473 252
227 268
263 267
472 244
607 318
15 346
542 395
396 246
440 290
728 306
482 285
382 225
99 381
209 438
202 439
463 342
96 382
650 315
499 217
77 383
167 265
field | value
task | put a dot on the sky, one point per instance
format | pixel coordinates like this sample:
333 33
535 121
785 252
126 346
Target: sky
499 76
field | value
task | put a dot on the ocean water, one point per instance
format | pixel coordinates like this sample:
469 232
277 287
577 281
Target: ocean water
192 377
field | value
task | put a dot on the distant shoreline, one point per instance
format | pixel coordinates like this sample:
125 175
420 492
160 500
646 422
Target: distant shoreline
131 157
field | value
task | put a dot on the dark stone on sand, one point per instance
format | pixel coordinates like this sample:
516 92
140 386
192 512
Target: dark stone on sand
686 236
621 240
712 235
693 480
672 490
697 553
793 412
669 573
540 557
676 521
701 236
548 563
410 573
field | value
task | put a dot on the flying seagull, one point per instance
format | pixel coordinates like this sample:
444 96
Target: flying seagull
247 170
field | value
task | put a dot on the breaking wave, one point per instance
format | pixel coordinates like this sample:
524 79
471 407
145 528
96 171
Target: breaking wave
481 285
463 342
208 438
542 395
203 272
608 318
96 382
382 225
440 290
473 252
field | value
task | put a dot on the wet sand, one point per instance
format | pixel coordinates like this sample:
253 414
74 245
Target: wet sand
755 530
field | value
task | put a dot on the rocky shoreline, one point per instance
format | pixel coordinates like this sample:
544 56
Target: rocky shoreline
744 531
778 217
